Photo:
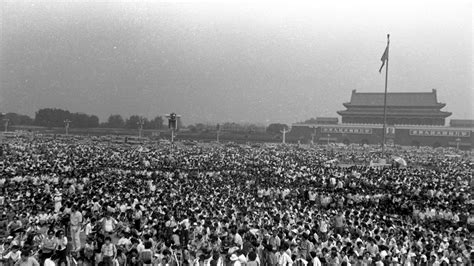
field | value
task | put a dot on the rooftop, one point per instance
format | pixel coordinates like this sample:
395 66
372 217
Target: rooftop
403 99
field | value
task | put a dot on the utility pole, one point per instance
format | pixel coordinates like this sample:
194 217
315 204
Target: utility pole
66 125
140 127
284 135
6 123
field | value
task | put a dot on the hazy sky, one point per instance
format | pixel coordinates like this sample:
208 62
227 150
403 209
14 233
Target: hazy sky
233 61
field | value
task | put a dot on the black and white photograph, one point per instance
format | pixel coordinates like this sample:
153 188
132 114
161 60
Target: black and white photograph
236 133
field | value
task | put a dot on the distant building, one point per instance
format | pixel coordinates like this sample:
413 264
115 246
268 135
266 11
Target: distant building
413 119
403 108
461 123
327 120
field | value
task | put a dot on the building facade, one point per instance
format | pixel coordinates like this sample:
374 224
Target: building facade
413 119
405 108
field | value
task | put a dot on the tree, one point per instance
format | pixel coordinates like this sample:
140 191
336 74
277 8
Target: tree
49 117
16 119
311 121
276 128
132 121
115 121
156 123
93 121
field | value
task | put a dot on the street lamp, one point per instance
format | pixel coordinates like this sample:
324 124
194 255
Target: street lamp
328 138
66 125
173 124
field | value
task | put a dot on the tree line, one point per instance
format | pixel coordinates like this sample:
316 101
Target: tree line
53 117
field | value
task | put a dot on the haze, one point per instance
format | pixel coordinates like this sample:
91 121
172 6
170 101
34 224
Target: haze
223 62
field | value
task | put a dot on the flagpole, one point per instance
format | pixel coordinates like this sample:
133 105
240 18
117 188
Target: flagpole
385 99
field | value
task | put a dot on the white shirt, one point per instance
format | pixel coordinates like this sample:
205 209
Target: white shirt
316 261
49 262
285 260
88 229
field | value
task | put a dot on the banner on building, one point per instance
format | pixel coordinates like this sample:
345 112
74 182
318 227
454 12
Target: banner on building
440 133
346 130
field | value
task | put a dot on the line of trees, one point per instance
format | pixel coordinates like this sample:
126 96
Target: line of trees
117 121
49 117
52 117
17 119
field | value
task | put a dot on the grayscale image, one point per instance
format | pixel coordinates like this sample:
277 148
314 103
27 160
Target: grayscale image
236 133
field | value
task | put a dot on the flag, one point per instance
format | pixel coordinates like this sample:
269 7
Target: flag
384 58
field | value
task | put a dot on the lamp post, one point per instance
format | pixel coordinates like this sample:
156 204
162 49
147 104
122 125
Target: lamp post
458 140
173 124
140 127
6 123
328 138
66 125
284 135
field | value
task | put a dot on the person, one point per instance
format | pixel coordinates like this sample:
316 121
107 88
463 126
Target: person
13 256
57 201
121 257
109 224
109 252
234 260
61 248
27 259
137 216
76 224
146 254
49 262
314 258
339 223
48 246
285 258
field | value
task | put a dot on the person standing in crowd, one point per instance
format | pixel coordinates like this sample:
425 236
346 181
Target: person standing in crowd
12 256
61 248
48 246
76 224
339 223
109 252
57 201
27 259
137 216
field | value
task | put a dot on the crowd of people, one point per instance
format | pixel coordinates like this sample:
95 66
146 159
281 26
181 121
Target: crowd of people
94 203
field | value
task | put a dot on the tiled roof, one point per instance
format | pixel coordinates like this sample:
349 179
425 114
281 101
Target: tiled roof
394 99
